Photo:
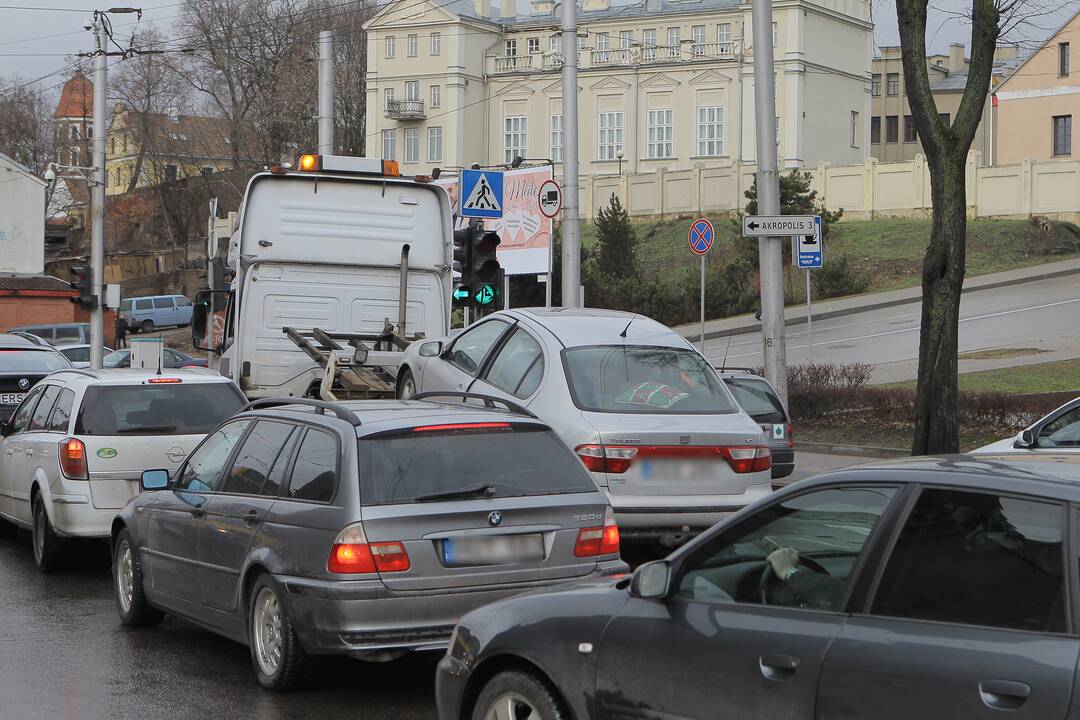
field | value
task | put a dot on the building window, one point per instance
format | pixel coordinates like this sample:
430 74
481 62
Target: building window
648 40
659 135
391 44
511 48
775 34
875 130
609 134
412 145
673 42
436 96
112 146
412 90
626 39
434 144
389 145
697 37
170 173
710 131
1062 135
555 44
74 132
117 176
875 84
90 131
515 137
603 42
1063 59
910 134
534 45
388 95
894 83
723 38
556 139
412 43
854 129
436 43
125 143
892 128
945 119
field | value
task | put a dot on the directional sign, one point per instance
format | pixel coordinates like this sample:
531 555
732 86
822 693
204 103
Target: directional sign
485 296
550 198
807 251
701 236
773 225
483 193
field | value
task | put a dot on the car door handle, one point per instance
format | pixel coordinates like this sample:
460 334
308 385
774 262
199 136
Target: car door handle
778 667
197 511
1003 694
29 452
251 517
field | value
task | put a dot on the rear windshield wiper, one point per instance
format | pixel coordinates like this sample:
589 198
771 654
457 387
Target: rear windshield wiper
486 490
147 428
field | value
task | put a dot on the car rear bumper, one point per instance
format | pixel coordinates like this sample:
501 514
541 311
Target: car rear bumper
75 517
647 516
360 618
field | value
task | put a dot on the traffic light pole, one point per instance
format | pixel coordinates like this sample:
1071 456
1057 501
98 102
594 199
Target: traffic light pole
97 236
770 250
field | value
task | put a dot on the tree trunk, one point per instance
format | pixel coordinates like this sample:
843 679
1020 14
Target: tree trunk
937 402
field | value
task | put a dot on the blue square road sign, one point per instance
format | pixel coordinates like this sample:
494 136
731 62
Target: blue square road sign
481 194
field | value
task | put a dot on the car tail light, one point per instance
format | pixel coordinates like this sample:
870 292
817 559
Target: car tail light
595 541
164 380
352 554
607 458
790 435
747 459
453 427
73 459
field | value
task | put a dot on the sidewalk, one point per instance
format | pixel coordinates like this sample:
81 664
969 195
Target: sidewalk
796 314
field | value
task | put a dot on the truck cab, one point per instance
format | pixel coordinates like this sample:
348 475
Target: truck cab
341 244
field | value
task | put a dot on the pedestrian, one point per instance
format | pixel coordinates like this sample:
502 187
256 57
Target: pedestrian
757 286
121 332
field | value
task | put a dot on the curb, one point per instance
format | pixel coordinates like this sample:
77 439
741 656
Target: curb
694 333
856 450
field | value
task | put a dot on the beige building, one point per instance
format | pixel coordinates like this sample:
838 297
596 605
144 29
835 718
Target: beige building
663 85
1037 104
892 132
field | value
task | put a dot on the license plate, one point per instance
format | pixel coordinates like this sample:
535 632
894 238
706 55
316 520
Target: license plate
11 398
668 469
498 550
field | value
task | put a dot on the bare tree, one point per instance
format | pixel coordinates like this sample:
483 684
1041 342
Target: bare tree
26 124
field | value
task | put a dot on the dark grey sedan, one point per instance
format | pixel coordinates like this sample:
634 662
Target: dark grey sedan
927 588
363 528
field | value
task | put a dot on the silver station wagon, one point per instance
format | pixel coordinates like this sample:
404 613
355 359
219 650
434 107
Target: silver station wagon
368 529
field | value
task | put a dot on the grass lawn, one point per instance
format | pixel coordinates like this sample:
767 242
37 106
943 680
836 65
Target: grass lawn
883 436
1059 376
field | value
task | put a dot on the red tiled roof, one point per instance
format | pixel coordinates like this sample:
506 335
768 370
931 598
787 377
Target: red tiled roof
77 97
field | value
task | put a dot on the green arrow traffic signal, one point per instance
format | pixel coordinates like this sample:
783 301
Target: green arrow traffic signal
486 296
462 293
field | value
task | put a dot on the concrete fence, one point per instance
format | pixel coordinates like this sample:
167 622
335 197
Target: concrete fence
867 191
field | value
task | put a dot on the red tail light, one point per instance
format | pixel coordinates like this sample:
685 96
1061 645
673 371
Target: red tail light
790 435
607 458
453 427
352 554
617 459
164 380
747 459
73 459
595 541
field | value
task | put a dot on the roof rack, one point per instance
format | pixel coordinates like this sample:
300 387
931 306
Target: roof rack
324 407
489 400
75 371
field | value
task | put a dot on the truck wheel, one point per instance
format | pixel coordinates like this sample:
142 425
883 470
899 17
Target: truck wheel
406 386
147 326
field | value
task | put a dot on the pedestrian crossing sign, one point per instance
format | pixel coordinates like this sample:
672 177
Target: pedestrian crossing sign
482 193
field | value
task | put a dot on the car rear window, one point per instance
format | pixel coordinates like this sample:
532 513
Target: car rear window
31 361
642 380
516 461
77 354
180 408
757 399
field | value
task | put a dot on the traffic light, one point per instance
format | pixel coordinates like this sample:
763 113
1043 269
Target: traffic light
462 264
85 299
485 264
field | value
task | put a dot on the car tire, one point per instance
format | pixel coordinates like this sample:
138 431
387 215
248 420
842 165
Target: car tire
406 385
280 661
528 697
48 547
131 603
7 529
146 326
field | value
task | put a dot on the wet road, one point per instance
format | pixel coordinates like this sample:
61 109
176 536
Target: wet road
65 656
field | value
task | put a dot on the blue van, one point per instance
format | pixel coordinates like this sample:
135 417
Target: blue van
143 314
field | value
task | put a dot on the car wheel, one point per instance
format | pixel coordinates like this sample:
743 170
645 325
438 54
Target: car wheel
279 659
147 326
406 385
131 601
47 546
516 695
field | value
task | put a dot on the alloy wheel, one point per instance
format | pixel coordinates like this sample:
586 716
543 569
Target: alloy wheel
267 628
511 706
125 577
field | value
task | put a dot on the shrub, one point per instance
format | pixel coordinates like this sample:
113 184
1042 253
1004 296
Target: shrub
837 279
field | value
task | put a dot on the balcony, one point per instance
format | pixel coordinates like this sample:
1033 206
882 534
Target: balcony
686 52
515 63
604 58
405 109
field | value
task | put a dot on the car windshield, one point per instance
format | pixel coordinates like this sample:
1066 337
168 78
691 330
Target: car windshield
177 408
31 361
644 379
115 359
514 460
757 399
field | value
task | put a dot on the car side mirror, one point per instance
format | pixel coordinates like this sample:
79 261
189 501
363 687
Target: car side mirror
431 349
1026 439
652 580
207 334
154 480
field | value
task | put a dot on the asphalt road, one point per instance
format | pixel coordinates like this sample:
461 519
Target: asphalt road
1042 314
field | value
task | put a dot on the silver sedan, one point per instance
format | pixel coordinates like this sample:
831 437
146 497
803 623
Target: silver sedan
640 407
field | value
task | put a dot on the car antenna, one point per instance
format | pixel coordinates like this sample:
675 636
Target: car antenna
723 365
161 357
623 333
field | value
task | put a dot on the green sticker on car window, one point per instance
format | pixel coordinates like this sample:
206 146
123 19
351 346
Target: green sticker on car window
106 453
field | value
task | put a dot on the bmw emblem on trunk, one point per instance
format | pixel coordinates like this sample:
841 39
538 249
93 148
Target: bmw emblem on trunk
495 517
23 383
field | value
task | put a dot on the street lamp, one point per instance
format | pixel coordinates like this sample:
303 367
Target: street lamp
620 156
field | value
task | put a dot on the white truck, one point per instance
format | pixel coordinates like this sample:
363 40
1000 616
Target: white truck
340 262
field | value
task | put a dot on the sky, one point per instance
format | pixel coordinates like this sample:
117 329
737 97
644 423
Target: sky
38 42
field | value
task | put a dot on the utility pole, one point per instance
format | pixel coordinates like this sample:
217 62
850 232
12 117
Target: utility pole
97 204
326 92
571 228
770 249
211 269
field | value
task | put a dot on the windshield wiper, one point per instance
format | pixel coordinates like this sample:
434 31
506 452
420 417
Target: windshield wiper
147 428
486 490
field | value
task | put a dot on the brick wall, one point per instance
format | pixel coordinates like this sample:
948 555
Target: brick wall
28 307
